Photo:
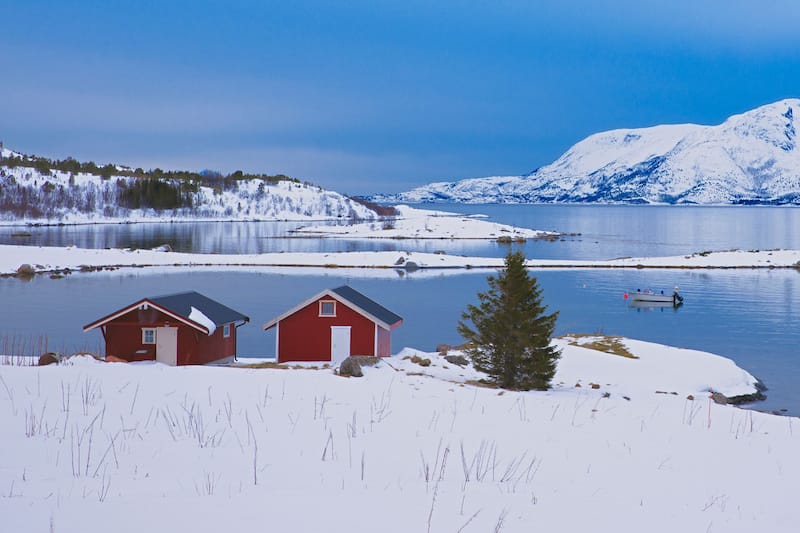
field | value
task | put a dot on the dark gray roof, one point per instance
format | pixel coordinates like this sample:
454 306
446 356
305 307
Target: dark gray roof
182 303
368 305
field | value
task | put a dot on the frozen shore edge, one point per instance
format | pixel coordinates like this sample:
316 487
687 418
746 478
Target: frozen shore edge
20 260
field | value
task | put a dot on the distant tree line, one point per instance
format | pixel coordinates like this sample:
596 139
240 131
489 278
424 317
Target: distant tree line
207 178
156 194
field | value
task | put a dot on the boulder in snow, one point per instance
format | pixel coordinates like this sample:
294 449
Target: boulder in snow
350 367
49 358
26 270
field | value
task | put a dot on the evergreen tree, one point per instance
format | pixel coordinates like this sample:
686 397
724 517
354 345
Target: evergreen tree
511 336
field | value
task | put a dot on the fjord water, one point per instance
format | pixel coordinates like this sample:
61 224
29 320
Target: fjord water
603 232
748 315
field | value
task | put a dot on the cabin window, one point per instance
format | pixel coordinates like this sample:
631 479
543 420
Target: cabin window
148 336
327 308
226 330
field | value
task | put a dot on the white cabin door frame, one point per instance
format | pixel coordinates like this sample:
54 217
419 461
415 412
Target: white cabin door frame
340 343
167 346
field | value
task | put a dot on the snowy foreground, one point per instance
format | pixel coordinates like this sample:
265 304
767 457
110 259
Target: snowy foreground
93 447
414 223
52 259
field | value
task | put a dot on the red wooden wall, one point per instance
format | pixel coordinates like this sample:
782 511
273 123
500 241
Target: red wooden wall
306 336
124 339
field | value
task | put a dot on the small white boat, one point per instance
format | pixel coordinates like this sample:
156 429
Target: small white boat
656 297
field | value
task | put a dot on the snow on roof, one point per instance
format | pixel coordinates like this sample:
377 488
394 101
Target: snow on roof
181 306
183 303
198 316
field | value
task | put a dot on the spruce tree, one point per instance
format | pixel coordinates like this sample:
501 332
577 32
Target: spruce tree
510 337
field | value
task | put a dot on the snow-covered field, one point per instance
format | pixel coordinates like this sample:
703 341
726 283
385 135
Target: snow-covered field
49 259
414 223
91 447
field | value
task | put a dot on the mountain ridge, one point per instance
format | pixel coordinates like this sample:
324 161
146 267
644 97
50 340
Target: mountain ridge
751 158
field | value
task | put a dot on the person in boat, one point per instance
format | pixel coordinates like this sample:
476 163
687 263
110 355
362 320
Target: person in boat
677 299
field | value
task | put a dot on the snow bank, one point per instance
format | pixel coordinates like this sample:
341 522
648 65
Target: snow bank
653 368
48 259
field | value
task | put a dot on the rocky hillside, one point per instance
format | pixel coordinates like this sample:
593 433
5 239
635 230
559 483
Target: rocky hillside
40 191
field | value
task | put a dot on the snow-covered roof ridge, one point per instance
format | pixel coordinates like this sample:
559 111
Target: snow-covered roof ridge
749 158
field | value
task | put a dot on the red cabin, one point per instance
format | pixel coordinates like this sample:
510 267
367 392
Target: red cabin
178 329
333 325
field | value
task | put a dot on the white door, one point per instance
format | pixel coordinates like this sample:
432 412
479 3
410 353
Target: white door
340 343
167 346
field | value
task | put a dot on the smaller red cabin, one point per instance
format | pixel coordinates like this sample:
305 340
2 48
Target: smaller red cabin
333 325
178 329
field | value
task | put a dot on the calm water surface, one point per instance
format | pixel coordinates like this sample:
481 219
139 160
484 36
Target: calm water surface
750 316
605 232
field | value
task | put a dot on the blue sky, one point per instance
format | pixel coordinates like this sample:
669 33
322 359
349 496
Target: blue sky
373 96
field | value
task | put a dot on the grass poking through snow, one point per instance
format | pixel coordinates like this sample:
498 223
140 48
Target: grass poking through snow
601 343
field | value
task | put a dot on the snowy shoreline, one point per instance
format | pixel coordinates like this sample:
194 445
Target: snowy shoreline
409 223
424 224
41 260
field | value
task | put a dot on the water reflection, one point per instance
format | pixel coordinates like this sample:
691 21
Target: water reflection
653 306
604 232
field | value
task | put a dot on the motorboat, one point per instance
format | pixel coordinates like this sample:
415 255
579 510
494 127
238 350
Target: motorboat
656 297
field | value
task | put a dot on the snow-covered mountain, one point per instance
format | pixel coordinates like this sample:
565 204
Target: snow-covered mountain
751 158
35 196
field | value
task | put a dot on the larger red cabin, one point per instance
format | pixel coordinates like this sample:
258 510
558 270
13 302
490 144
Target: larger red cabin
179 329
333 325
